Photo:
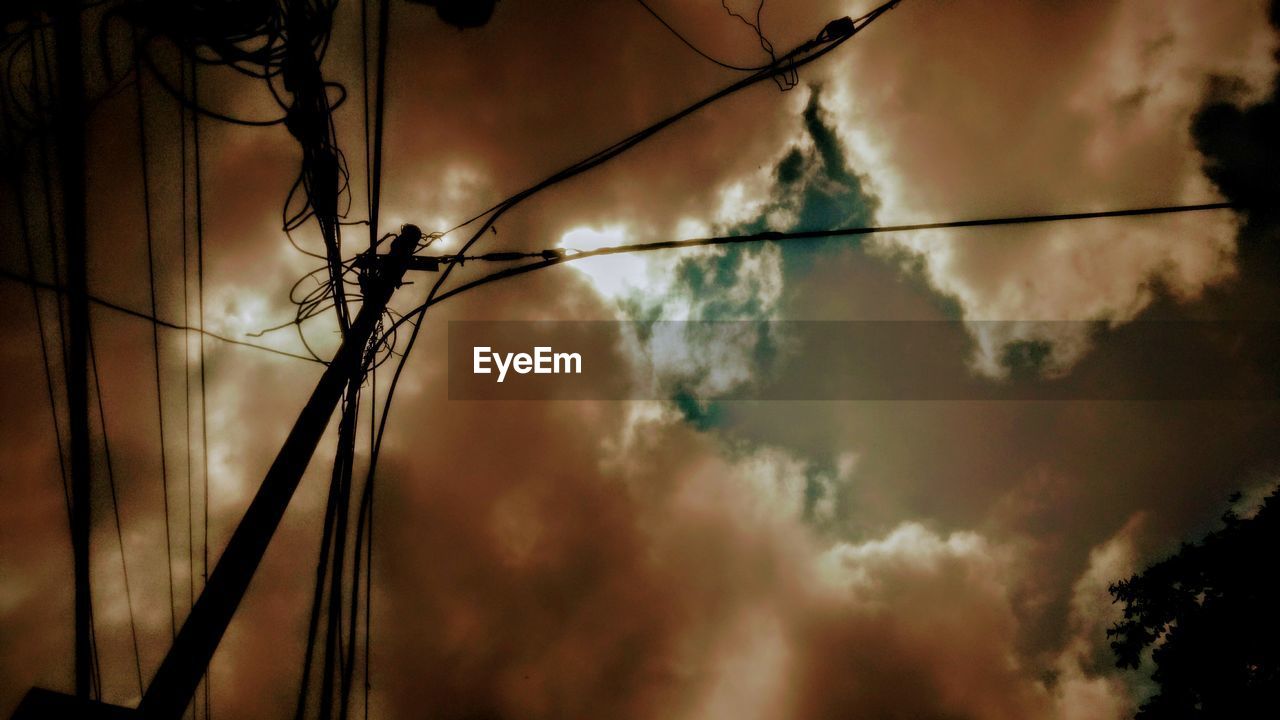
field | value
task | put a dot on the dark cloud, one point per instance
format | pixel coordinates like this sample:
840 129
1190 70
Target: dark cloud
736 560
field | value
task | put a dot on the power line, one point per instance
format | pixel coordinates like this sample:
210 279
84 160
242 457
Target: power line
774 236
373 168
559 256
55 287
155 343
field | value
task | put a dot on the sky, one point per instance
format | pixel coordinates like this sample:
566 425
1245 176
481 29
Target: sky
684 557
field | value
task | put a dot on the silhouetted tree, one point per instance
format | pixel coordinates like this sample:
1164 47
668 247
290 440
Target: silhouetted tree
1211 613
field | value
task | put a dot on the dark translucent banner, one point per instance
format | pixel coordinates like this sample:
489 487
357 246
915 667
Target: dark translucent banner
864 360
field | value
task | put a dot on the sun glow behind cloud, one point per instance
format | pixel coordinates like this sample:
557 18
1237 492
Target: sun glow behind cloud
651 276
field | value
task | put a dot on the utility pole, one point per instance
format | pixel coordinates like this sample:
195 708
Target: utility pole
175 682
179 675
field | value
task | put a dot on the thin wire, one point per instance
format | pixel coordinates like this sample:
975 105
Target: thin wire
691 46
204 398
186 295
95 673
368 572
186 346
833 35
155 350
60 290
786 80
115 510
51 226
